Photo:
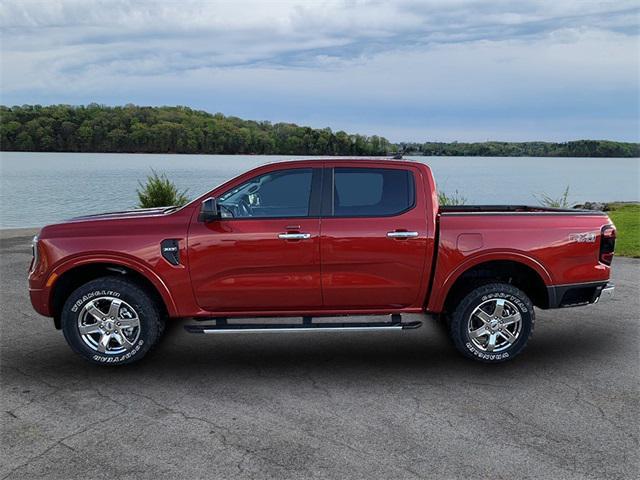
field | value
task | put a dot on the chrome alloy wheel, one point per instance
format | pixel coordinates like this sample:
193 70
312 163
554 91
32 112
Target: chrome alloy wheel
109 325
494 325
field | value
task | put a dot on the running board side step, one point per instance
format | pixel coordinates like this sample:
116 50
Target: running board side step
301 327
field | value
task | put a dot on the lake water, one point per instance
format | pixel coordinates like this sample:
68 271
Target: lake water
41 188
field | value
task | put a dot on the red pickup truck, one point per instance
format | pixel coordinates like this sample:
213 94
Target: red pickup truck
313 239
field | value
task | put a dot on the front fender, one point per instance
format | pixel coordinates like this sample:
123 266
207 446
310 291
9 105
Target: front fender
113 259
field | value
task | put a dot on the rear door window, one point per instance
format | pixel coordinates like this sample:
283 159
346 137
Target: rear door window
372 192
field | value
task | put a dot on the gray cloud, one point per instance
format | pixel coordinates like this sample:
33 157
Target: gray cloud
433 59
194 34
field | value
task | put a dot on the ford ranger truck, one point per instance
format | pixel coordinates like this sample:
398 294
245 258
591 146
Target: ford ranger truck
312 239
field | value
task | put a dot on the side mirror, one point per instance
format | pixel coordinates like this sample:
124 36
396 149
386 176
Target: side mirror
209 210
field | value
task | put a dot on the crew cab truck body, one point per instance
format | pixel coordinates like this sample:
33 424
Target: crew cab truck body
311 239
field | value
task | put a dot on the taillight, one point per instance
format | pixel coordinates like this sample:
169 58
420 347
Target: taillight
607 244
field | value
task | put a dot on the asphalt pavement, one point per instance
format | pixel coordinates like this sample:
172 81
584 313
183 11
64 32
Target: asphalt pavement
389 405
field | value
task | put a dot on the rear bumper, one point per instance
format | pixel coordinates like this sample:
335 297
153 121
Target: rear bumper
578 294
607 292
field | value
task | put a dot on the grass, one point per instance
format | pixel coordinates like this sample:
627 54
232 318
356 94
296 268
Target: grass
554 202
627 220
454 199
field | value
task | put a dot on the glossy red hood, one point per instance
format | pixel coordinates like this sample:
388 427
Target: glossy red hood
139 212
142 220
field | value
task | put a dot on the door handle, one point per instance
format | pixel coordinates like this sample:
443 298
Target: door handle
401 234
294 236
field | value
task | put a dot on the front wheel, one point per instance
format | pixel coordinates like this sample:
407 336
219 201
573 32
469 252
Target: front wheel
492 323
111 321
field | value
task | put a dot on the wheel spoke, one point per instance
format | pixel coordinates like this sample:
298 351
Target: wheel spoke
104 342
511 319
94 311
122 340
482 315
88 329
114 308
508 336
129 322
499 308
479 332
492 342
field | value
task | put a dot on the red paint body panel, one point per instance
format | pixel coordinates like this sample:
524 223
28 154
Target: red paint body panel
539 241
242 265
363 268
128 242
239 267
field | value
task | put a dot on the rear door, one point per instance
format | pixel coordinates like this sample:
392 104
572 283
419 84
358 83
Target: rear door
375 237
264 254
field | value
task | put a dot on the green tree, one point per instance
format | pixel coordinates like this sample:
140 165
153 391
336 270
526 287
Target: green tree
131 128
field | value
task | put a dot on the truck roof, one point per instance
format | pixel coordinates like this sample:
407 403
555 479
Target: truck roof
377 160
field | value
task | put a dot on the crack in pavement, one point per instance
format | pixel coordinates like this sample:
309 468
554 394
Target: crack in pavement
61 442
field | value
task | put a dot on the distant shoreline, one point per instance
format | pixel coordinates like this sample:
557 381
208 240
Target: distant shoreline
168 130
408 154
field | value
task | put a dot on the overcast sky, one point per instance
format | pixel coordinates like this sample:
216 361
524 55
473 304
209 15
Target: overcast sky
408 70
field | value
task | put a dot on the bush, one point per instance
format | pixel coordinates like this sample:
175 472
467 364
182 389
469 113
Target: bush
159 191
455 199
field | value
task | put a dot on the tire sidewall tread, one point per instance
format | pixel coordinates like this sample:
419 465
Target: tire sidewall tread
459 318
151 320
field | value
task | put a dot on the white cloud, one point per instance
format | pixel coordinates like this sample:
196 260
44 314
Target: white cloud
327 62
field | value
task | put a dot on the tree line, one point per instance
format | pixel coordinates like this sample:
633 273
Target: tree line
577 148
135 129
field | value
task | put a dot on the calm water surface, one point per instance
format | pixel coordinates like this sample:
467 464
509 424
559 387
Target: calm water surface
41 188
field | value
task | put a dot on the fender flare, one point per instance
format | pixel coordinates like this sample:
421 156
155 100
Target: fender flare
501 255
119 260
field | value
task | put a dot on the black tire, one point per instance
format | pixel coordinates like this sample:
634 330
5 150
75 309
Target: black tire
464 321
126 294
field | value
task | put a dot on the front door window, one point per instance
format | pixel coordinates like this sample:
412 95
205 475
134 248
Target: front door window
279 194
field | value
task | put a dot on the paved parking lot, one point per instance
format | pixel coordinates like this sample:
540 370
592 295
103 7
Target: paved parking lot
361 406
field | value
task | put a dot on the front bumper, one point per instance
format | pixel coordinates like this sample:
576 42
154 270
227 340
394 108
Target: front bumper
40 301
578 294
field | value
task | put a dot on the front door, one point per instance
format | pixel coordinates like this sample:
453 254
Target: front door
264 253
375 238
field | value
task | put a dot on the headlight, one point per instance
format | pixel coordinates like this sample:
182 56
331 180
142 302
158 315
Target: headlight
35 252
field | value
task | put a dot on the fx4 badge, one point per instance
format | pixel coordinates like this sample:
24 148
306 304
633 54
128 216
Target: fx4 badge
587 237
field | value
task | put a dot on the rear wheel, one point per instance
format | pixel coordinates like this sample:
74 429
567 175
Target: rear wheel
492 323
111 321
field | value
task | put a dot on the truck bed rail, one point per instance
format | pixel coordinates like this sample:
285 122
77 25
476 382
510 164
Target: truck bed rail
512 210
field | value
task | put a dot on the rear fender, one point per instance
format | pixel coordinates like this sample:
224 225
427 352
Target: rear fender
440 291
